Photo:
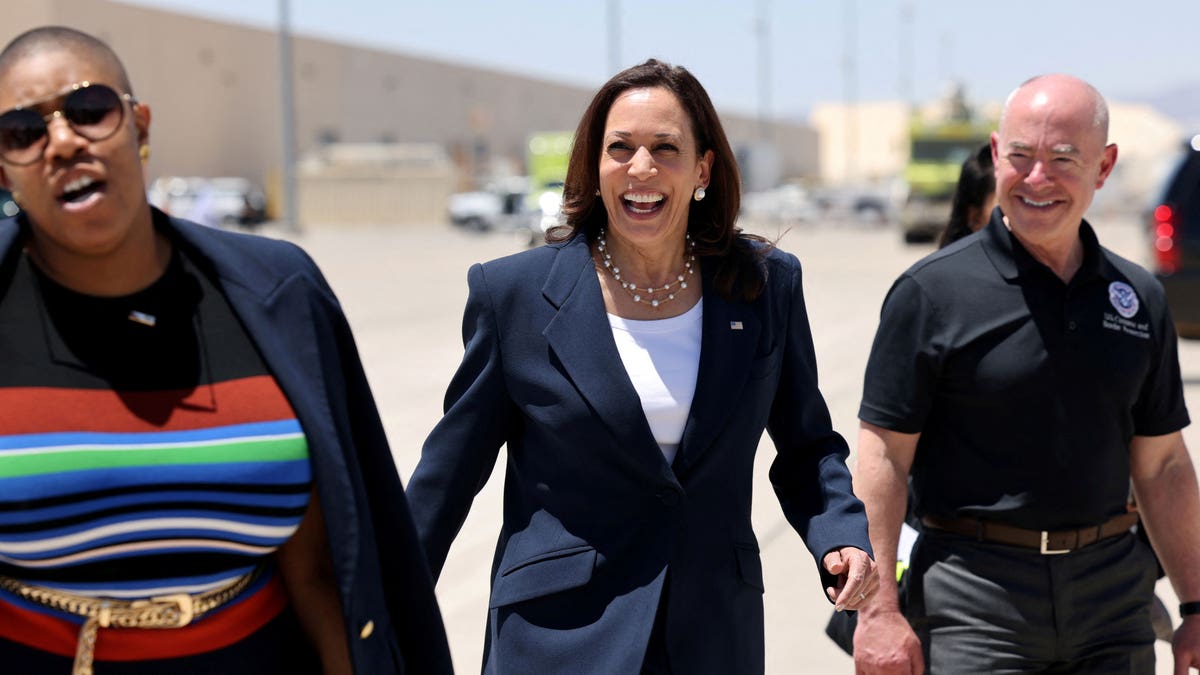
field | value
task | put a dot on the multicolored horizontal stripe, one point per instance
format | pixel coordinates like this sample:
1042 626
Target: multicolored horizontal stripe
35 410
97 501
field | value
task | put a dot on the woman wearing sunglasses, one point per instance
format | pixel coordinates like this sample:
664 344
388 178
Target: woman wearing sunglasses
181 412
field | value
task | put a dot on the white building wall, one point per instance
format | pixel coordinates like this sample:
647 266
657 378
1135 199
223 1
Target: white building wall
862 143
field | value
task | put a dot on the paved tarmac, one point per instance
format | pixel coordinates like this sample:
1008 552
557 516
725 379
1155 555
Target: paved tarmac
403 289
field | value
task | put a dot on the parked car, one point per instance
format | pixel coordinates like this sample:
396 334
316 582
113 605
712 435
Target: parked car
507 206
485 210
787 204
225 201
546 212
863 204
8 205
1174 221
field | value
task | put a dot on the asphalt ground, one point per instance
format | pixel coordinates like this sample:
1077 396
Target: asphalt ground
403 289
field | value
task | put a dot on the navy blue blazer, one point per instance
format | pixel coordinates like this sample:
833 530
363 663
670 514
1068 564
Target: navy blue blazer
291 314
597 526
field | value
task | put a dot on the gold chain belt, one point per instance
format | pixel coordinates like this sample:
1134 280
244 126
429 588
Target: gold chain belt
164 611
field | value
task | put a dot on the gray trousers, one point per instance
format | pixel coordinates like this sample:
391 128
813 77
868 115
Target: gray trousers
988 608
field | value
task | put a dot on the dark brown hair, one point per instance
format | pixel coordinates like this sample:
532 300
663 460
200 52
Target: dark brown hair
738 256
975 184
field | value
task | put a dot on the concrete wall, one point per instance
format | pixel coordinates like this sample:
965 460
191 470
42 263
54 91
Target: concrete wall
862 143
379 184
20 15
1148 145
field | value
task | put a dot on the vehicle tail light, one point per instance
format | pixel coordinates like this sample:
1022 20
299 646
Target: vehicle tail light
1166 242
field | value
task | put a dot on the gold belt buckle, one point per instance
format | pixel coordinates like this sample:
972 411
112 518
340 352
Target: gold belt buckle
167 617
163 611
1051 551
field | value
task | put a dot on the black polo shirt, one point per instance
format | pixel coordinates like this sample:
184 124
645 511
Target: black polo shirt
1026 391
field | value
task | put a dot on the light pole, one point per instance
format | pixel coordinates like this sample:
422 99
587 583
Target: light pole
946 47
614 37
850 73
763 31
287 120
907 12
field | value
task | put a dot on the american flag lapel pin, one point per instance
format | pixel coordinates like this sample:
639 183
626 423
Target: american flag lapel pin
735 325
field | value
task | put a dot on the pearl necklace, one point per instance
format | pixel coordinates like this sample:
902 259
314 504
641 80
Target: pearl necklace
635 291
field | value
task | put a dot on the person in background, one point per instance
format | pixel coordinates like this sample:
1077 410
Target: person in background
1025 376
182 413
974 197
630 367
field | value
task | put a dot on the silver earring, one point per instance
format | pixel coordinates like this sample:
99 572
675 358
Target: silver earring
699 193
597 192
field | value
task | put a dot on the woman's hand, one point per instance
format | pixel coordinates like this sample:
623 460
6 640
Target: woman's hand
857 578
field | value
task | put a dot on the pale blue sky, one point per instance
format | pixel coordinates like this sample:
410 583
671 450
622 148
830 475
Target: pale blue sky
1128 48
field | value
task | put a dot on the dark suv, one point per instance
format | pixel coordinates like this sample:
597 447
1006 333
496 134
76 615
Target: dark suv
1175 233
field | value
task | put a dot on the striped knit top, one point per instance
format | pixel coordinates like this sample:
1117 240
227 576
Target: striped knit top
144 447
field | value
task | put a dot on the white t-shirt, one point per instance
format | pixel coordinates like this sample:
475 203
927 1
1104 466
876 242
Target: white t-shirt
662 358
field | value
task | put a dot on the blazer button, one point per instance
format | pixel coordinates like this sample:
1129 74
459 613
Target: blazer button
367 629
669 498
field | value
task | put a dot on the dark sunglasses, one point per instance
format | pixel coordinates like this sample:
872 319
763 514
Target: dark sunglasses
94 111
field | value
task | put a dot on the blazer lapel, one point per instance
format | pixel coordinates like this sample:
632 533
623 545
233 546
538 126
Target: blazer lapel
581 338
728 342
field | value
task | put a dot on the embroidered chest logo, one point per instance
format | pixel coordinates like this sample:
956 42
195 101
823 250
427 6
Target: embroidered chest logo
1123 299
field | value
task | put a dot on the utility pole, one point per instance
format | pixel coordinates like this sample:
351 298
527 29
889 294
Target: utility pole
946 47
763 32
850 82
905 88
614 37
287 120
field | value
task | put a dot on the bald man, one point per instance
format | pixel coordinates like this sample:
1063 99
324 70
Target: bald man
1024 376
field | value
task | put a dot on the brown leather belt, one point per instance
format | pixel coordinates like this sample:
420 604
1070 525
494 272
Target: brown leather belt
1046 542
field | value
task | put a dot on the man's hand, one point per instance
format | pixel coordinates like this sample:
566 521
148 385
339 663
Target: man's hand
884 644
1186 645
857 579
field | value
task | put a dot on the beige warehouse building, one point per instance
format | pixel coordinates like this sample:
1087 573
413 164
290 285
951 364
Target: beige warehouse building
214 91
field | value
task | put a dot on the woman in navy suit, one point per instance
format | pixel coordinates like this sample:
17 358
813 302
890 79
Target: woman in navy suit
630 366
